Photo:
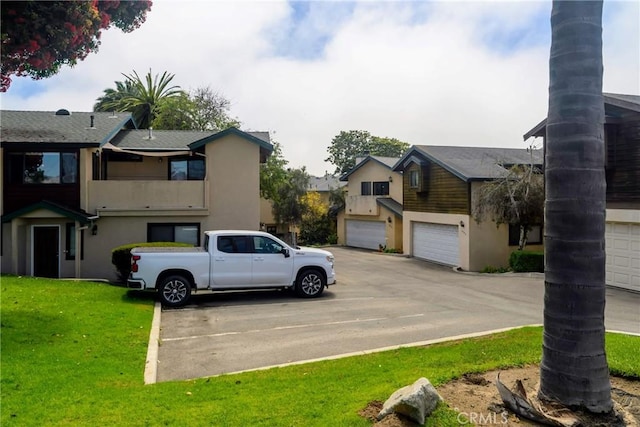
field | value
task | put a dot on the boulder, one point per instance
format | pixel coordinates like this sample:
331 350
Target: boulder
416 401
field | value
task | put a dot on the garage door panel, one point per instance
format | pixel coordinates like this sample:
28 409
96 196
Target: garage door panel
436 242
623 255
365 234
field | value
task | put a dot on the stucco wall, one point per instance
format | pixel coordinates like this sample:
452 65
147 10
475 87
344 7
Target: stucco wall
234 175
153 168
437 218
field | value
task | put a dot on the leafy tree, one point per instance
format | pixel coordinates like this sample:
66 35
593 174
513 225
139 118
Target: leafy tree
141 97
518 199
574 369
200 109
348 145
38 37
211 110
273 173
288 206
316 225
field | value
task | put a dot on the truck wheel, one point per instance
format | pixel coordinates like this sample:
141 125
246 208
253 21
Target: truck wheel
174 291
310 283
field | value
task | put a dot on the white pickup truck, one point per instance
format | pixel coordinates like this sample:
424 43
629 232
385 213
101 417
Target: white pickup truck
230 260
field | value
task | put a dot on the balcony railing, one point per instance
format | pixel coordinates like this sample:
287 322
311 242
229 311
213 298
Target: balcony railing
146 195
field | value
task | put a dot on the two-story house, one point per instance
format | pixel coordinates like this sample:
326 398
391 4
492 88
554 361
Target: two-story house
622 171
441 186
76 185
372 217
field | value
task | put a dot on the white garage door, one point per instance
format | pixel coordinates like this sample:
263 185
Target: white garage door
623 255
365 234
436 242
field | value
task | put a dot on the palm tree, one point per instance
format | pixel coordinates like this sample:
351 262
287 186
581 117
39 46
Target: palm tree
138 96
112 98
574 368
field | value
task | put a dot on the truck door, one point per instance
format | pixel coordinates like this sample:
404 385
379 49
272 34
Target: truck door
231 262
270 266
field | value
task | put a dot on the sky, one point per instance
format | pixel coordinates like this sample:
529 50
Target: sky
459 73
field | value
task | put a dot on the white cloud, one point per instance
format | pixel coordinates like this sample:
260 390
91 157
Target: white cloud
449 73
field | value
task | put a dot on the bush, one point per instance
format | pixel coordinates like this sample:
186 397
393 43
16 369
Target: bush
524 261
392 251
491 269
121 256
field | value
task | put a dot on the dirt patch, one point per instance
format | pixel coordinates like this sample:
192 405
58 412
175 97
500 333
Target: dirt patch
476 397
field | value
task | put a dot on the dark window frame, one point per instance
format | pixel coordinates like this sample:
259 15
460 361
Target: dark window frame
190 170
365 188
173 225
417 174
381 188
18 177
533 237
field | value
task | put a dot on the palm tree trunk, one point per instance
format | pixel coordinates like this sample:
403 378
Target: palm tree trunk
574 367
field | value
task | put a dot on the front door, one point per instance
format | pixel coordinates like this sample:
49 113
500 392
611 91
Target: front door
46 250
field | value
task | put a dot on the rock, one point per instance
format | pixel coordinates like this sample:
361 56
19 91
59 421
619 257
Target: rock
416 401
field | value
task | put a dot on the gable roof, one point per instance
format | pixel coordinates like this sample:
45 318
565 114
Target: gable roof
471 163
39 127
616 106
260 138
157 140
77 215
387 162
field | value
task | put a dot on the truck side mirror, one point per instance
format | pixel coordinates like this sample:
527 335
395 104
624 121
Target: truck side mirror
285 252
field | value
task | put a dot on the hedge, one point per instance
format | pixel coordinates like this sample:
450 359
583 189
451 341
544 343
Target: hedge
524 261
121 256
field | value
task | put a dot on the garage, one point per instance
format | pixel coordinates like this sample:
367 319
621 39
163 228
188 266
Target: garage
436 242
365 234
623 255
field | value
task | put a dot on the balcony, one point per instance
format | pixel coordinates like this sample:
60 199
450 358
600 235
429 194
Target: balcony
131 198
361 205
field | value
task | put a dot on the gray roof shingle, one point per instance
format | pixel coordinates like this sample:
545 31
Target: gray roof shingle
385 161
47 127
474 163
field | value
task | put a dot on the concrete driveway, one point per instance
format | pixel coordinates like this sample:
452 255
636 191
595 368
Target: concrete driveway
380 301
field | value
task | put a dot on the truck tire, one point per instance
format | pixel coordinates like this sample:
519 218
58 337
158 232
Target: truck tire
174 291
310 283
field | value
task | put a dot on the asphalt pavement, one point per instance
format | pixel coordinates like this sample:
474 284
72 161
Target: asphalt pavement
380 301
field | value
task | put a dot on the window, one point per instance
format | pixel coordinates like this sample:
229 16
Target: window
70 242
414 179
182 233
381 188
43 168
534 237
234 244
265 245
365 188
186 169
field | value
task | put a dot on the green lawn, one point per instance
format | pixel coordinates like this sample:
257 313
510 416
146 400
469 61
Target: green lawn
73 353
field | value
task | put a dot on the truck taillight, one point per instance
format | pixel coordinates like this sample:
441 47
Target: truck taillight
134 265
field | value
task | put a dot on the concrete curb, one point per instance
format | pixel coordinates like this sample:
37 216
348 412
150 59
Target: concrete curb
381 349
151 364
